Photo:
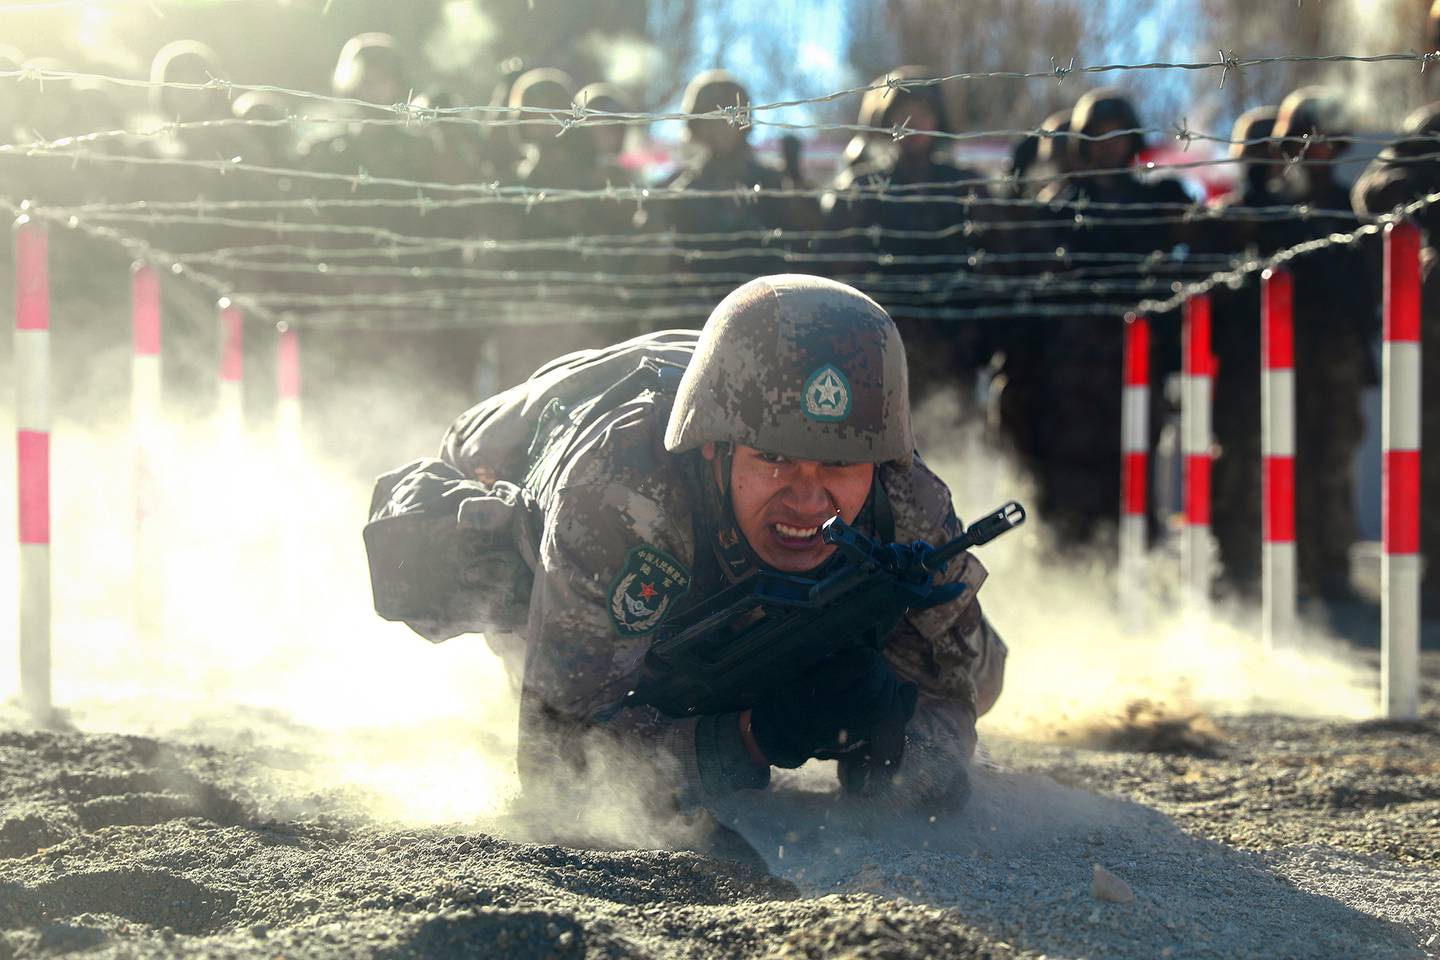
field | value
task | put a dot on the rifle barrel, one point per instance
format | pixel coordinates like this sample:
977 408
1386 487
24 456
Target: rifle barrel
982 531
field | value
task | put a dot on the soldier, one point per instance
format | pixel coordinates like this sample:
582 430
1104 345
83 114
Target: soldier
723 160
1070 394
946 352
371 69
1015 402
1336 321
607 139
1054 157
177 74
1406 171
1236 317
550 162
793 409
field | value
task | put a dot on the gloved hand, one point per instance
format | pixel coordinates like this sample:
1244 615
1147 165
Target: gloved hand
870 769
838 709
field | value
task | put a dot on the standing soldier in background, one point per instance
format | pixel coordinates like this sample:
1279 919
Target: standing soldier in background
1336 321
1406 171
567 316
650 494
943 353
191 63
607 140
1016 343
371 69
1072 390
1236 325
723 160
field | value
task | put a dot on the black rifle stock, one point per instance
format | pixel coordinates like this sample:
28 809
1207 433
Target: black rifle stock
736 647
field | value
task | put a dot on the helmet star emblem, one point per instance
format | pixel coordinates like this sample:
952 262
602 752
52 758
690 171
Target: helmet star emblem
827 394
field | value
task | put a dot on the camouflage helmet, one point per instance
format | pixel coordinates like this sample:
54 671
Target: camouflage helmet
1257 123
363 53
1311 112
1054 145
800 366
1104 106
710 91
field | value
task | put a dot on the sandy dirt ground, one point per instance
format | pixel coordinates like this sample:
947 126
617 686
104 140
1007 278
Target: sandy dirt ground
1239 836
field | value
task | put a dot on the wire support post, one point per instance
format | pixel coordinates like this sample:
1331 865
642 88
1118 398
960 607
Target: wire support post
230 397
146 413
289 457
1196 388
32 383
1279 580
1135 467
1400 569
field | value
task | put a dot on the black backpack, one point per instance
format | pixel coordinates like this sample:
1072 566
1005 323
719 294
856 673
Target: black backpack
452 542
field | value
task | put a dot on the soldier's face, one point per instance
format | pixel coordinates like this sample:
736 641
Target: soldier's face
1112 153
780 503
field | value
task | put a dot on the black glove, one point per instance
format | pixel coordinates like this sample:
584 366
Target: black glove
870 769
837 709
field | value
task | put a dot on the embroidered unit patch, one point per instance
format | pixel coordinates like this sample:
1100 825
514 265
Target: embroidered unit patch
645 589
827 394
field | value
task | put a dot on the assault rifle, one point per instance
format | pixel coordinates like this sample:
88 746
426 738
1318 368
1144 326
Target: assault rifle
747 640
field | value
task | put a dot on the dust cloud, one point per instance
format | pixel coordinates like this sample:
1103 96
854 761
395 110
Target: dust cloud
1082 670
266 631
268 635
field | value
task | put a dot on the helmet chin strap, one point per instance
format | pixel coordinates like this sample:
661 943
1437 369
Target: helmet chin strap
737 558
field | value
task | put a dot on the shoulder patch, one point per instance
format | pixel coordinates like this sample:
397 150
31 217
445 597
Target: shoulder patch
827 394
645 589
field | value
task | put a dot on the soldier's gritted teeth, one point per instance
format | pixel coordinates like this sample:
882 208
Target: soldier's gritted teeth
781 502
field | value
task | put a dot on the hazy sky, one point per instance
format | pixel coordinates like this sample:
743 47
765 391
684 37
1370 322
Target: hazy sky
815 34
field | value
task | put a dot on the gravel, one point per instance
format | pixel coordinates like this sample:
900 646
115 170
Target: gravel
1273 837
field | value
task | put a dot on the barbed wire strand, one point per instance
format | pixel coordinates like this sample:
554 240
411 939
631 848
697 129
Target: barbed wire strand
1179 130
519 195
739 115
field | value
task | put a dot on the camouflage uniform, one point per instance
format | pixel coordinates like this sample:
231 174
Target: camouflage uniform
753 203
1404 172
1336 322
1236 313
1065 375
629 528
944 353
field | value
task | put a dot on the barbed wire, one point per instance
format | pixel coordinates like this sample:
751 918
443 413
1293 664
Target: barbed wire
523 314
1178 131
496 314
962 272
666 242
561 276
138 249
565 296
520 195
1160 261
1281 257
954 294
742 114
514 313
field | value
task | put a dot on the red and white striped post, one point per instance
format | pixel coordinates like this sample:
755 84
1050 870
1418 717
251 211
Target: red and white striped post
32 381
230 409
1400 438
1134 447
291 543
1196 380
1277 451
287 379
145 392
